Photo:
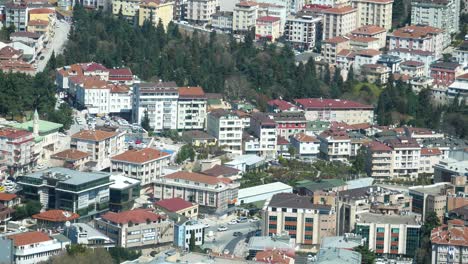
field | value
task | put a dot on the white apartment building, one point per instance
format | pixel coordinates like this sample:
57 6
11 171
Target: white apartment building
366 56
339 21
144 165
292 6
17 148
268 28
440 14
374 12
426 57
379 161
429 158
406 157
274 10
200 11
301 31
390 234
33 247
422 38
306 146
159 100
459 87
461 53
245 16
335 145
192 106
263 127
211 193
222 20
337 110
100 144
227 128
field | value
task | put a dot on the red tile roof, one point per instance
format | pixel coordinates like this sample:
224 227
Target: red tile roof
430 152
334 134
93 66
174 204
41 11
368 30
273 256
368 52
336 40
38 22
71 155
140 156
221 170
378 146
412 63
28 238
56 216
136 216
302 137
118 88
122 74
197 177
93 135
281 141
281 104
363 39
268 19
191 92
7 196
319 103
415 31
340 10
452 236
13 133
247 3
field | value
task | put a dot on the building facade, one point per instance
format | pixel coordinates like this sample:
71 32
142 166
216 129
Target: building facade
227 128
339 21
439 14
301 31
374 12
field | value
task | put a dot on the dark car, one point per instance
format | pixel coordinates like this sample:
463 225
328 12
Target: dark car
237 234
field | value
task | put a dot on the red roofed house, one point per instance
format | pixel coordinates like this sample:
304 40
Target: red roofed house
211 193
280 105
450 242
16 148
372 31
70 158
414 37
121 75
337 110
179 206
54 218
34 247
145 165
9 199
445 73
273 256
307 147
268 28
136 228
331 47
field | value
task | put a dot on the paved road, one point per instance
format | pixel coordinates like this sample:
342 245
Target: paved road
226 239
56 44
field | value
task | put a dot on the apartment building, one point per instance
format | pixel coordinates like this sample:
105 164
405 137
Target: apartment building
307 223
156 11
406 157
263 127
461 53
444 74
292 6
144 165
123 192
301 31
439 14
332 47
337 110
31 247
178 206
373 199
335 145
137 228
422 38
227 128
429 158
126 8
200 11
192 107
379 160
290 123
85 234
431 198
450 243
412 68
100 144
365 57
268 28
426 57
84 193
210 193
372 31
159 101
458 88
390 235
374 12
339 21
307 147
245 16
185 229
16 14
17 148
222 20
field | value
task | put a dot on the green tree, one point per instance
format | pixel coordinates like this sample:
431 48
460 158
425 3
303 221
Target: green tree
185 152
27 209
63 115
368 256
145 122
292 151
120 254
359 162
192 240
423 254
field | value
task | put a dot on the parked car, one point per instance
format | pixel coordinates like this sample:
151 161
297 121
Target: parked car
232 222
237 234
242 220
222 229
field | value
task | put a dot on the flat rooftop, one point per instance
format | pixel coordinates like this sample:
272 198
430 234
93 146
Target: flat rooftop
68 176
122 182
369 218
434 189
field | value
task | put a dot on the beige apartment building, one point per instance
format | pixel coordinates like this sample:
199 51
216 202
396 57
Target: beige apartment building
332 46
307 223
244 16
268 28
100 144
372 31
431 198
136 228
200 11
128 8
374 12
339 21
156 10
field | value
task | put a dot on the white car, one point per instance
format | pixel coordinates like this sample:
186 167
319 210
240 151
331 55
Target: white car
232 222
222 229
206 225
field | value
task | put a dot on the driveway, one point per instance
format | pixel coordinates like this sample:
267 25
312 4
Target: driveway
56 44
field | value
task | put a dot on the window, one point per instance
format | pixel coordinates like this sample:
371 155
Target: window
273 218
273 209
394 239
290 219
308 228
308 237
379 246
380 238
380 229
309 220
290 227
272 226
284 209
394 248
395 230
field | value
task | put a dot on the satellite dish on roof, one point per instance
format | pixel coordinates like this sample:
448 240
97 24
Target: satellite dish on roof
67 224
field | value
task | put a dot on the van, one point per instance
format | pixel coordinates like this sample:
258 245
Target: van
242 220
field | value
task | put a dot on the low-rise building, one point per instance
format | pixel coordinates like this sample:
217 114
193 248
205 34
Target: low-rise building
211 193
123 192
54 218
223 171
84 193
222 20
375 73
262 192
9 200
17 148
70 158
309 187
412 68
461 53
184 229
84 234
390 235
372 31
100 144
307 147
247 163
178 206
263 128
145 165
282 243
268 28
450 243
335 145
459 88
198 138
305 221
33 247
334 255
136 228
349 112
429 158
366 56
331 47
423 38
200 11
431 198
289 123
444 73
